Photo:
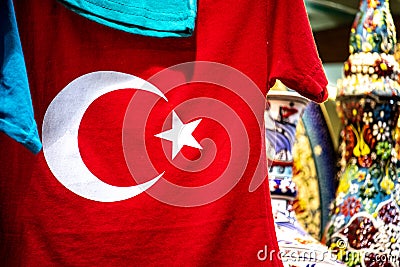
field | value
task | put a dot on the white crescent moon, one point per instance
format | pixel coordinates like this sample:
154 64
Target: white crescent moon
60 134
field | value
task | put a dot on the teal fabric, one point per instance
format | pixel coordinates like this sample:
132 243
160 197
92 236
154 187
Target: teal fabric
157 18
16 112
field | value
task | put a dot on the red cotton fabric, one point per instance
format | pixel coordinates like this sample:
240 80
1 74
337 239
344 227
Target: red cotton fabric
45 224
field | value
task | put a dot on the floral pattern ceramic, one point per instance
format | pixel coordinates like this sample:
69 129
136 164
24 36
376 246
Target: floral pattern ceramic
297 247
314 169
371 66
365 214
373 29
364 228
307 204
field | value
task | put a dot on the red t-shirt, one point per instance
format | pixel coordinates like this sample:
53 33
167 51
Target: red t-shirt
46 223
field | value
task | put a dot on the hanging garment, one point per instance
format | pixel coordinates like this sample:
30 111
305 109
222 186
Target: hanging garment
168 18
16 113
144 164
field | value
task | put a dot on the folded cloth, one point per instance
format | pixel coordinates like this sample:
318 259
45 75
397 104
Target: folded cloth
167 18
16 112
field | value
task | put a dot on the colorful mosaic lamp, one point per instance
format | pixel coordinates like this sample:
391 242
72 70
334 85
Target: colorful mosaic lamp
297 247
364 228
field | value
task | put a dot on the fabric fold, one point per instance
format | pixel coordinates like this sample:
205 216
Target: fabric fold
170 18
16 111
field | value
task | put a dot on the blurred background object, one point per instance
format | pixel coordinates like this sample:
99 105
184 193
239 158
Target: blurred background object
331 22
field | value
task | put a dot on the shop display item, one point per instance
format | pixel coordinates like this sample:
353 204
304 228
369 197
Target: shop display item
364 227
298 248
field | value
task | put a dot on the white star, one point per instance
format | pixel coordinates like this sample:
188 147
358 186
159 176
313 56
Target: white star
180 134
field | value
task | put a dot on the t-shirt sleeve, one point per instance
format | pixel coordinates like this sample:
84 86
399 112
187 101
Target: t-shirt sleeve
291 50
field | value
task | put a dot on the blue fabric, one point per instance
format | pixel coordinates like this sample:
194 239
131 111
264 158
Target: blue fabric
157 18
16 112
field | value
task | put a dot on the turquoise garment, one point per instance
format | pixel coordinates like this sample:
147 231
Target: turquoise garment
157 18
16 112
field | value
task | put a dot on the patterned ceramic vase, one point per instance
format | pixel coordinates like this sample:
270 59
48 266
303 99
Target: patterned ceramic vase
364 228
297 247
